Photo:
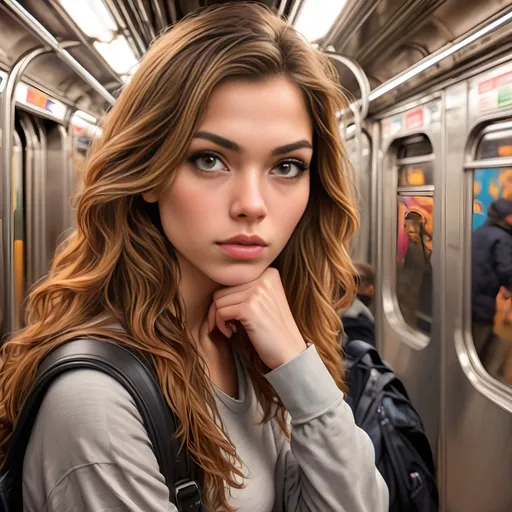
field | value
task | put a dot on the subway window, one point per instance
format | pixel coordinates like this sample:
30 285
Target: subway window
491 268
415 202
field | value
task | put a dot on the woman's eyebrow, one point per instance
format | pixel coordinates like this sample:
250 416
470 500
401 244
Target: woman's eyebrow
217 139
229 144
293 146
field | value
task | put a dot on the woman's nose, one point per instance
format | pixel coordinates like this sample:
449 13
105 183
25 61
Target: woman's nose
248 197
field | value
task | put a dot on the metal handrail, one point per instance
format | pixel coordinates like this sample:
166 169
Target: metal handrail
295 11
282 7
49 40
159 15
360 111
123 20
489 163
7 123
360 76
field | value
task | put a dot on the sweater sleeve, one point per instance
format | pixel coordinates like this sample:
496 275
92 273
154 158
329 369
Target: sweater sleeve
329 466
89 451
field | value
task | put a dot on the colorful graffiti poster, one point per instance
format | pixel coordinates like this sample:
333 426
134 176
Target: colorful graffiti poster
489 185
423 206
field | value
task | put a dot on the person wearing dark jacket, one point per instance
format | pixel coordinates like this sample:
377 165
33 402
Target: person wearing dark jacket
358 321
491 270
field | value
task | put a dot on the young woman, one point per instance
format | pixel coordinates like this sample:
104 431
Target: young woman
211 238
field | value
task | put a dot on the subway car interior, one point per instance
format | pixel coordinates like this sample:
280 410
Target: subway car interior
429 134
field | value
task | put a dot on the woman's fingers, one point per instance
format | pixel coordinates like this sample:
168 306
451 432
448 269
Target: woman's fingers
261 307
232 299
222 321
224 315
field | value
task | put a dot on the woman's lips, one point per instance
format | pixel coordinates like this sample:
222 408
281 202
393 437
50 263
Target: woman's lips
242 251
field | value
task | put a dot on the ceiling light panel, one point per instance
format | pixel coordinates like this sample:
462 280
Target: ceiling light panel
93 18
316 17
118 54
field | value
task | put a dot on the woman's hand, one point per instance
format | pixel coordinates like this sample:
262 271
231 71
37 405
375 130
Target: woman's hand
262 309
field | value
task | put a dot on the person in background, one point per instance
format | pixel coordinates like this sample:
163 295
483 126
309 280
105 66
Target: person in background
491 271
358 321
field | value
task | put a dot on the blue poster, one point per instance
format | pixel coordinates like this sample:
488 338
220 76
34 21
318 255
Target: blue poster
487 186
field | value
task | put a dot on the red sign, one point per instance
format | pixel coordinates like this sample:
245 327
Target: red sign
495 92
36 98
495 83
414 119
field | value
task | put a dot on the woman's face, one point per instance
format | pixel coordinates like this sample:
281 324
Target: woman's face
246 174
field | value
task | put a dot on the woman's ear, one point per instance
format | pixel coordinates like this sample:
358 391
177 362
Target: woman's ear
150 197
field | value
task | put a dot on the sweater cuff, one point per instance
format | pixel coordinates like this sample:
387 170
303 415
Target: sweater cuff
305 386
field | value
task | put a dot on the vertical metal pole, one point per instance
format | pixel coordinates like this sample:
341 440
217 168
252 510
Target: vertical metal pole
360 110
359 179
296 7
7 124
41 256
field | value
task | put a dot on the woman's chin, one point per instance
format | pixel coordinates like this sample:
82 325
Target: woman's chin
238 276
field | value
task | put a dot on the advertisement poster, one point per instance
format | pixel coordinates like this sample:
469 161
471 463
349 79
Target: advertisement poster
424 206
489 185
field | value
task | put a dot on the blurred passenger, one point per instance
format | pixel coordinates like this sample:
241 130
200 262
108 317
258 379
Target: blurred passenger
209 233
502 357
358 321
491 270
414 283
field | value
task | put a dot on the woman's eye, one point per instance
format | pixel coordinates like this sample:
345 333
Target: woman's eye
289 169
207 163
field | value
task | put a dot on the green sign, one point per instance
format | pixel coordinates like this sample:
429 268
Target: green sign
505 96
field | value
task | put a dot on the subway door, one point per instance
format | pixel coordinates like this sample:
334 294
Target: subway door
477 362
26 182
58 197
19 261
408 255
18 278
33 157
359 153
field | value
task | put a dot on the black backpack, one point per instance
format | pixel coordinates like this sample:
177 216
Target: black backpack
383 410
182 476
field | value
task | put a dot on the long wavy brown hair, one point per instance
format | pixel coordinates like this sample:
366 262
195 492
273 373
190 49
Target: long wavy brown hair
115 262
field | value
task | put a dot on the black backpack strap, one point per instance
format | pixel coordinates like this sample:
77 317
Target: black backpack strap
374 386
357 350
380 375
181 475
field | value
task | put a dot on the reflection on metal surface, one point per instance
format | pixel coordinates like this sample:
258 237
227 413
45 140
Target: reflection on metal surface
19 229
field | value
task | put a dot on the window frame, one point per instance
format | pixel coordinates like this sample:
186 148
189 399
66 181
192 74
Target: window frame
411 191
499 392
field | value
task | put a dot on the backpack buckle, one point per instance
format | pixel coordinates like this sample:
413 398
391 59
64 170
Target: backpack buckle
188 497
